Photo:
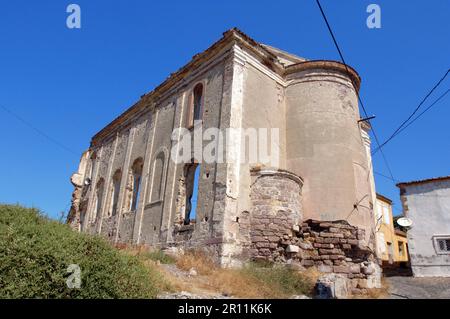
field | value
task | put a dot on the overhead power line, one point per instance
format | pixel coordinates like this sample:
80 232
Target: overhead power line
37 130
424 111
405 122
45 135
354 85
385 176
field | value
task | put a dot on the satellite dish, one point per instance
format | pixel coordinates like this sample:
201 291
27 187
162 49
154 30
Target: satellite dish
404 222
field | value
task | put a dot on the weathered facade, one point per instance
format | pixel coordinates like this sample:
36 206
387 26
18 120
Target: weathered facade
427 204
131 188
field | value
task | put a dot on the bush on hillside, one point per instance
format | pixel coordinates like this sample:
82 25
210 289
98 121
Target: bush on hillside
35 253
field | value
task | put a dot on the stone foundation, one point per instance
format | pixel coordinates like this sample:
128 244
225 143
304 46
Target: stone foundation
276 206
332 247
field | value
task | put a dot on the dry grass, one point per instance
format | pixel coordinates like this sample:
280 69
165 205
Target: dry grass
252 281
202 263
311 275
236 283
147 252
133 250
255 282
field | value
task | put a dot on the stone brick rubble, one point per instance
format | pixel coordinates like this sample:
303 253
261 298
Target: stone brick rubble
333 247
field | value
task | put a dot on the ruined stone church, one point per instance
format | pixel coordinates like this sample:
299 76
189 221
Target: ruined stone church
315 208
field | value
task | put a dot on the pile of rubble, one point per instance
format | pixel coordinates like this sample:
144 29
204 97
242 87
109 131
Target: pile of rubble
333 247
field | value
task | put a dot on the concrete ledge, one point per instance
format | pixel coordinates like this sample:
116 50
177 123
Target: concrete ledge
268 171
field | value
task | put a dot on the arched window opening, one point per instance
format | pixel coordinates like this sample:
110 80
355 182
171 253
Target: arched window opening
192 175
158 178
198 102
196 106
98 199
115 191
137 177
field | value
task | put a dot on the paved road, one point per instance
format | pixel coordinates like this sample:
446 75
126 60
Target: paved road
419 288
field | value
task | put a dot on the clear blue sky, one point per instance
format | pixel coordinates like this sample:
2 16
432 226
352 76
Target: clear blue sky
70 83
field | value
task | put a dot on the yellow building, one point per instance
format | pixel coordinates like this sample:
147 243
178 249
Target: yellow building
392 245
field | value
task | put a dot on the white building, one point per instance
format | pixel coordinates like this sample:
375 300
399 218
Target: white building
427 204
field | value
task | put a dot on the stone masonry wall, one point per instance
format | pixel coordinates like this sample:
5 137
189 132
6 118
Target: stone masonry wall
275 232
333 247
276 207
205 235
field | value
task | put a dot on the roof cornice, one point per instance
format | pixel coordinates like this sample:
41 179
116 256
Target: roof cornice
222 47
229 38
326 65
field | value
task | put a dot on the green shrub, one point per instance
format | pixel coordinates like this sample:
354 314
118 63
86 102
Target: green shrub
35 253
